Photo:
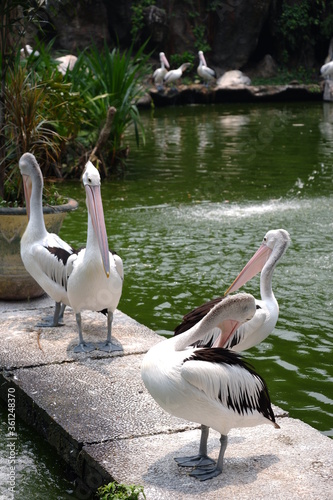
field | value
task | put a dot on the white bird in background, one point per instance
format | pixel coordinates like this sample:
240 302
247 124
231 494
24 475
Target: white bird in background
27 50
207 74
96 280
44 254
160 73
327 70
66 63
212 386
88 280
273 247
174 75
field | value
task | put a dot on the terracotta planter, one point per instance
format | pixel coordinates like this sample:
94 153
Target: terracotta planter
15 282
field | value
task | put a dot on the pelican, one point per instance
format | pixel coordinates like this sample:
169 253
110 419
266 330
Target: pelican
96 280
273 247
44 254
207 74
212 386
175 74
66 63
160 73
327 70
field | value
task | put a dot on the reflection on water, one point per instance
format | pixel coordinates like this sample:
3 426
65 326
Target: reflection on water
195 204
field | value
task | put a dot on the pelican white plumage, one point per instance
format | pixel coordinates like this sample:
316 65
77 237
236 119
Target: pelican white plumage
273 247
160 73
212 386
207 74
96 280
173 75
27 50
327 70
66 63
44 255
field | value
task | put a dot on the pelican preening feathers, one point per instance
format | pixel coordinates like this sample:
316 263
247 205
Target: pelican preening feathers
173 75
212 386
90 279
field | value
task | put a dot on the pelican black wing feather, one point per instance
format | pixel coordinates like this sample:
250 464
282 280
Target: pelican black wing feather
262 402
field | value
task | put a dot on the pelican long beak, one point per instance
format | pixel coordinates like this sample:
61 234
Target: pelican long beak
27 186
165 61
253 267
95 207
228 327
202 57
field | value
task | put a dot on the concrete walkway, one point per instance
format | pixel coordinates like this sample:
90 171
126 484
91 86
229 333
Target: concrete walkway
95 411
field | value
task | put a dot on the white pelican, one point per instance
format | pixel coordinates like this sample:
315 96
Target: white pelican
273 247
44 254
175 74
160 73
327 70
66 63
27 50
96 281
207 74
212 386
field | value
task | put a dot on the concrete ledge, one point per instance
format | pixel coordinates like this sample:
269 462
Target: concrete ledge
95 411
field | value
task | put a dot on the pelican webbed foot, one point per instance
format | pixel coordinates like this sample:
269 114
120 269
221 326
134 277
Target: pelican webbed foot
201 459
206 472
195 461
108 346
84 347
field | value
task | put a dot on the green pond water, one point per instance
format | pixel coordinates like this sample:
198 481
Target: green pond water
193 206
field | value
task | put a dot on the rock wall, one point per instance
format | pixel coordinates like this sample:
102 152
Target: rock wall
231 28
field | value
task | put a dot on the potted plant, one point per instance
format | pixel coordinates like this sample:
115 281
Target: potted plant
37 115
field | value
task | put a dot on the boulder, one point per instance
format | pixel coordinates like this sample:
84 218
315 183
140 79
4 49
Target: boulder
232 79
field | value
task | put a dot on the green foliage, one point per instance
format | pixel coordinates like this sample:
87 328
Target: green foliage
177 60
115 491
303 24
41 115
104 79
200 34
137 9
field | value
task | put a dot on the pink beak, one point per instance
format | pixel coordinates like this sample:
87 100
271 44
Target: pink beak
165 61
27 186
95 207
253 267
228 327
202 57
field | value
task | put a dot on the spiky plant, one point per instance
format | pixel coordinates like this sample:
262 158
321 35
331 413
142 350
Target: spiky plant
110 78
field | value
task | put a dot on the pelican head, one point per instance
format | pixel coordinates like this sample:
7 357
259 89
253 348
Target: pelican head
164 60
92 184
31 172
202 57
277 241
